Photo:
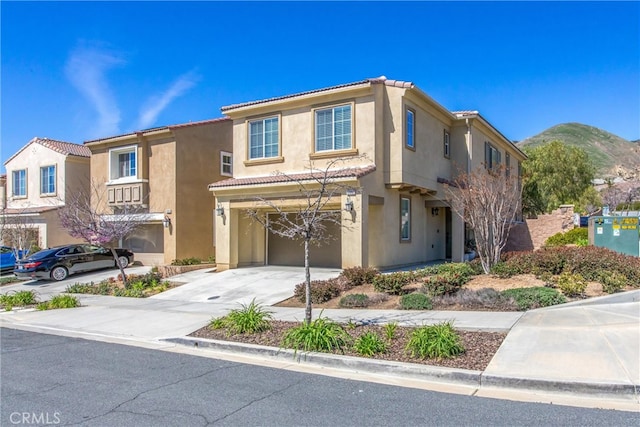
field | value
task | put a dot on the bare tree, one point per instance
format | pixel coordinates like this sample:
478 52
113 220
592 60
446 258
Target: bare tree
308 220
18 230
488 200
83 220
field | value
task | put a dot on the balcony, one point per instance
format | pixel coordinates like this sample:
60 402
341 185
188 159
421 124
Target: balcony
132 193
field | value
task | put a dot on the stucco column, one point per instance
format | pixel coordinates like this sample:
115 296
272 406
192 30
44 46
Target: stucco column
355 232
226 228
457 238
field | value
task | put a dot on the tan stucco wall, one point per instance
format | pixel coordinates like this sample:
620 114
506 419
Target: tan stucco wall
178 164
197 164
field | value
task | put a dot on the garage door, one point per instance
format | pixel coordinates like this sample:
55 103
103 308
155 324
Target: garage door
283 251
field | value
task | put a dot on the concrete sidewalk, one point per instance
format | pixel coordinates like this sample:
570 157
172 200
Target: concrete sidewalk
590 348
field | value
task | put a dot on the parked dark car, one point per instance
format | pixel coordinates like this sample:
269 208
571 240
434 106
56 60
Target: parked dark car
59 262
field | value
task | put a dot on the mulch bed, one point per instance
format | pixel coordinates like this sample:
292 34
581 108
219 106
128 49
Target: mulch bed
480 347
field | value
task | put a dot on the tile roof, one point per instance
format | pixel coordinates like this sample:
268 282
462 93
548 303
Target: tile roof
155 129
66 148
357 172
377 80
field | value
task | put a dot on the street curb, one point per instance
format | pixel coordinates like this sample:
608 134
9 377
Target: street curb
620 390
415 371
360 364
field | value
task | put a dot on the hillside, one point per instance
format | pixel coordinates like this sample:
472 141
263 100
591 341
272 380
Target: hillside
612 156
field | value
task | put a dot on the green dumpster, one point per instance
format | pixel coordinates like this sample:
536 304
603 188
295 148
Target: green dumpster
618 233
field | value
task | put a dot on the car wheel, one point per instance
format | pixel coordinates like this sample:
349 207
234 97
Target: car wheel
59 273
124 261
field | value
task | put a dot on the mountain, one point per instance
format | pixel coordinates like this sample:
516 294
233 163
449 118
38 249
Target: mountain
612 156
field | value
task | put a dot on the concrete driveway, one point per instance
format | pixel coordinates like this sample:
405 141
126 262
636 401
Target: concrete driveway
47 288
268 284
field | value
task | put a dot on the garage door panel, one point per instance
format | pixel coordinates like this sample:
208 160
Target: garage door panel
283 251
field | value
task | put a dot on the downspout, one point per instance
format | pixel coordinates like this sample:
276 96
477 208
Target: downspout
469 141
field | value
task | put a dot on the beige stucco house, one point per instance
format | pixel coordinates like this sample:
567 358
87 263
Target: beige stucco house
403 147
39 178
164 172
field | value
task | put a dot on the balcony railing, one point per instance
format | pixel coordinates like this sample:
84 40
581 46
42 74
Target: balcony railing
135 193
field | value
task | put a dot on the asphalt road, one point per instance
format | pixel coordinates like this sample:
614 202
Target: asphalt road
55 380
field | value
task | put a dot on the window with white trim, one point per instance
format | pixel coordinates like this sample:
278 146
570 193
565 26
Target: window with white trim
507 164
264 138
48 180
124 162
19 183
492 156
226 163
410 136
333 128
447 144
405 219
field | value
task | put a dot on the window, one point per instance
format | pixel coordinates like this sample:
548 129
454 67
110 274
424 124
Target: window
263 138
405 219
226 161
124 162
333 128
491 156
20 183
48 180
411 128
507 164
447 145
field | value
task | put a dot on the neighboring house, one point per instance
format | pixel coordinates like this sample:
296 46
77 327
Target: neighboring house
164 172
39 178
400 216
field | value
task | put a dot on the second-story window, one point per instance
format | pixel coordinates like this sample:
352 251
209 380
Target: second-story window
124 162
492 156
447 145
333 128
20 183
411 129
507 164
226 163
48 180
263 138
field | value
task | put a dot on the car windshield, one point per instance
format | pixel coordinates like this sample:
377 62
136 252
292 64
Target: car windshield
43 254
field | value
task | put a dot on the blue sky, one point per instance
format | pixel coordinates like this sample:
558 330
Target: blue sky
76 71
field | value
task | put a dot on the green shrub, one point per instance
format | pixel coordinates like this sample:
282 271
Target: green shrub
415 301
436 341
461 268
582 242
392 283
9 279
354 300
217 323
529 298
248 319
321 334
612 282
369 344
357 276
18 299
186 261
572 236
444 283
321 291
571 285
390 330
59 301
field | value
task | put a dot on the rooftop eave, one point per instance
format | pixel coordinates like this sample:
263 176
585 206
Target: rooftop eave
297 101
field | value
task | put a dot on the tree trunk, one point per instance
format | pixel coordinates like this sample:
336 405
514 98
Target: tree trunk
124 276
307 282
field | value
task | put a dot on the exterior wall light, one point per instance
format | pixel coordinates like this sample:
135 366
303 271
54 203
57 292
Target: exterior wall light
435 211
220 210
166 221
348 206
